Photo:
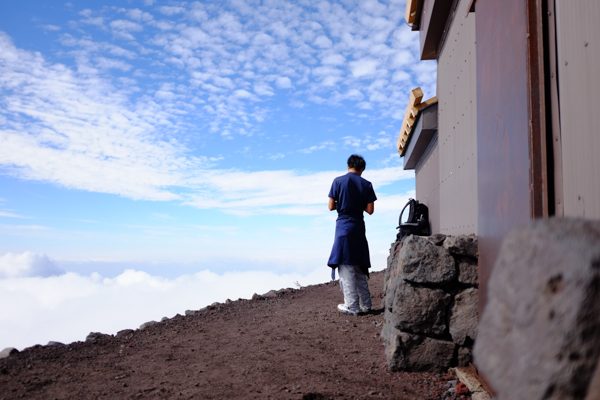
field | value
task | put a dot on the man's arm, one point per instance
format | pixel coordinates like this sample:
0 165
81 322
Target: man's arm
370 208
331 204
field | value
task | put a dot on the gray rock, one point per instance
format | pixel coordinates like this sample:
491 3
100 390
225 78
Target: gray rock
8 351
389 281
147 324
257 296
463 245
189 313
463 316
437 238
53 343
270 294
538 336
419 310
92 336
467 270
465 357
408 352
164 319
124 332
424 262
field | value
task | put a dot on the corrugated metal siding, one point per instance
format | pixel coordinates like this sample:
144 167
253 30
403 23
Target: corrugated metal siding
457 126
578 59
427 182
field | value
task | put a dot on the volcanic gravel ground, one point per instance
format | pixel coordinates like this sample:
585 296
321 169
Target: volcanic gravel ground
294 346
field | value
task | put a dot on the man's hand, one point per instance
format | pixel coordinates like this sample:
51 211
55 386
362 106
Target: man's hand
370 208
331 204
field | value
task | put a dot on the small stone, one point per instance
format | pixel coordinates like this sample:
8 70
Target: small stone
465 357
257 296
190 313
9 351
270 294
147 324
95 336
124 332
461 388
53 343
164 319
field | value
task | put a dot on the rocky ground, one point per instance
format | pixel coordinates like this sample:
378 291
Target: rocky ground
292 345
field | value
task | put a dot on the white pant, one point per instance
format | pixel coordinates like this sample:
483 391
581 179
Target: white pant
353 284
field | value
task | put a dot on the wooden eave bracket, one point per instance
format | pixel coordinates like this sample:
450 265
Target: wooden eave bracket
412 109
411 11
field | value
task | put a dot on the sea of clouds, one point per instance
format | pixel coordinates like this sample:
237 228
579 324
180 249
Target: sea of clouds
41 302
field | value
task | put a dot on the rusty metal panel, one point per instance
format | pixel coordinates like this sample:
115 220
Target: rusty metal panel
427 182
578 58
457 125
556 139
504 192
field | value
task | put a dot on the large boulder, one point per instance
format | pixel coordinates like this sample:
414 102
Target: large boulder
463 316
538 335
419 310
409 352
424 262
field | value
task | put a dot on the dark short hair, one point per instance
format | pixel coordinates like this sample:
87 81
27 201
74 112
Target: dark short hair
357 162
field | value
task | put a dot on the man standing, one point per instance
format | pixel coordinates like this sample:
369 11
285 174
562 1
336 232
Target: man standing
350 195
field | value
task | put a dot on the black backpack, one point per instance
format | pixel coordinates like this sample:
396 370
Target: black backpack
417 222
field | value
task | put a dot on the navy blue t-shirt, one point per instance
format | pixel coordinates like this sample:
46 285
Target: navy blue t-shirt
352 193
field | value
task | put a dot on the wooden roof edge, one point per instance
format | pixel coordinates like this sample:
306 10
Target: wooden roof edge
414 106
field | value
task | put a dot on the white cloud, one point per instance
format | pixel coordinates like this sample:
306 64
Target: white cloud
268 192
323 42
139 15
171 10
333 59
123 28
38 310
283 82
277 156
263 89
78 127
107 63
27 264
79 133
51 27
363 67
10 215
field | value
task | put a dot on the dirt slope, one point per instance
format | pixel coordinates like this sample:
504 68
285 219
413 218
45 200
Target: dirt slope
294 346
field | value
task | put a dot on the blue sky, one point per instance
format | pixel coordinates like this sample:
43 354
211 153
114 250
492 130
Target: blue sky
165 155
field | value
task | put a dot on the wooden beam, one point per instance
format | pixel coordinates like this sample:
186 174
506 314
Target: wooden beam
411 11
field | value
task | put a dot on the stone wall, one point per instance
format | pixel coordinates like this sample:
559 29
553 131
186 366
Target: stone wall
430 296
